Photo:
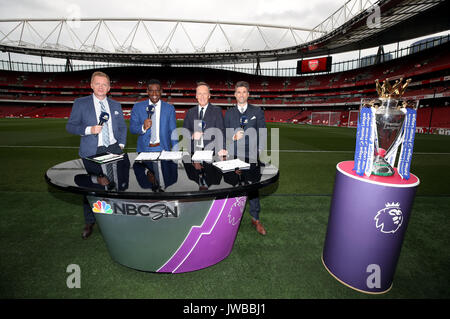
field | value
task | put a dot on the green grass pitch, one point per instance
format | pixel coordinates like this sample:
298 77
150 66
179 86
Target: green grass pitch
41 227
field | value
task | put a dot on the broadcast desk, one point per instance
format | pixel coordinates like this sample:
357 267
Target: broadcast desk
164 216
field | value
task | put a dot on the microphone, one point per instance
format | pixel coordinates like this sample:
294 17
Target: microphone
243 121
202 125
104 117
150 110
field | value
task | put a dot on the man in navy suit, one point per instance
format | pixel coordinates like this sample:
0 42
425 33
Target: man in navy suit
95 139
211 117
248 139
154 129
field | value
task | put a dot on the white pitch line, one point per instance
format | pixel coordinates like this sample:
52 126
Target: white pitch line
281 151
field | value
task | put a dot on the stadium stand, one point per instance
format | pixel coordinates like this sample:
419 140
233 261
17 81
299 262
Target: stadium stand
284 99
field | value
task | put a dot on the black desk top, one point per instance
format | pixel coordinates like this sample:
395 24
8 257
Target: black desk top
141 180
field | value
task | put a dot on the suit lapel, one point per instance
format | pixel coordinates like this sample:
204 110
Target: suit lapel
207 115
161 116
111 109
91 111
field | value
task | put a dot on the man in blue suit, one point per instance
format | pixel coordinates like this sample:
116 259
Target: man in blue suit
247 143
95 139
84 120
154 129
212 118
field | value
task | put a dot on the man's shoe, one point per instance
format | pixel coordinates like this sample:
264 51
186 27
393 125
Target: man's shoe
259 227
87 231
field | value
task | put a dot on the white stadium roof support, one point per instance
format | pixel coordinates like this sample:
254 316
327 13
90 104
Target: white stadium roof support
171 41
120 35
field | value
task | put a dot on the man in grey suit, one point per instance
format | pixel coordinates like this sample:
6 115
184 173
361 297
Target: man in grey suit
246 142
97 137
212 118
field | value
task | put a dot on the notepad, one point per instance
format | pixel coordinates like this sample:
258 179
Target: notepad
105 157
231 165
148 156
202 156
171 155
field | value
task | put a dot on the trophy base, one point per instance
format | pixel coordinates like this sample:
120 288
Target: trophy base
381 167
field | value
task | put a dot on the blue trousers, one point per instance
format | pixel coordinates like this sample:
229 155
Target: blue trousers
253 203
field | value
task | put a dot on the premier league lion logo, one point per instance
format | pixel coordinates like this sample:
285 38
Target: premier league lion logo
236 210
390 218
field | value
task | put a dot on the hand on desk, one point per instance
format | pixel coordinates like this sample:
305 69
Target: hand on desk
223 153
103 180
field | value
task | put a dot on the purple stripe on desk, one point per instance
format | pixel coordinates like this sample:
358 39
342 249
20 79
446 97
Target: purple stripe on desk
211 242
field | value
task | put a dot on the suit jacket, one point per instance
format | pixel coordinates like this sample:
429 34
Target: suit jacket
213 118
256 120
83 115
167 124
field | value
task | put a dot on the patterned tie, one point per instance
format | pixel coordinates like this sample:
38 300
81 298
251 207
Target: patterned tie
153 128
105 130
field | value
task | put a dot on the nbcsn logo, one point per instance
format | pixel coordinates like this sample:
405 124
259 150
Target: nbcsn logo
102 207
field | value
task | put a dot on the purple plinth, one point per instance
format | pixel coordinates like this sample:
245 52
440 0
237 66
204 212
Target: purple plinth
209 243
366 226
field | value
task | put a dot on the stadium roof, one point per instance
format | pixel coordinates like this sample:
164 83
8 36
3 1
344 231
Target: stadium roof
358 24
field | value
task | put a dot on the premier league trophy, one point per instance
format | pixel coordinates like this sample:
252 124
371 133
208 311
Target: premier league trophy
372 201
383 125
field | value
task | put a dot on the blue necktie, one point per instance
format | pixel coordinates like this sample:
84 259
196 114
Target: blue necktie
105 130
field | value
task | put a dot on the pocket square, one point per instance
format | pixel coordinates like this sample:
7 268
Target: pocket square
116 113
254 117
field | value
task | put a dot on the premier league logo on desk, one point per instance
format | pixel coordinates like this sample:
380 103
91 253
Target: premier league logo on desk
384 124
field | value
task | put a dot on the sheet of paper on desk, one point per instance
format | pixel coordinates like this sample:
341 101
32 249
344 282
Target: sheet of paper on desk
202 156
171 155
226 166
147 156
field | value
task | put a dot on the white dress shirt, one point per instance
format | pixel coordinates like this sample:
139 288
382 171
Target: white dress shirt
98 111
243 108
158 116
